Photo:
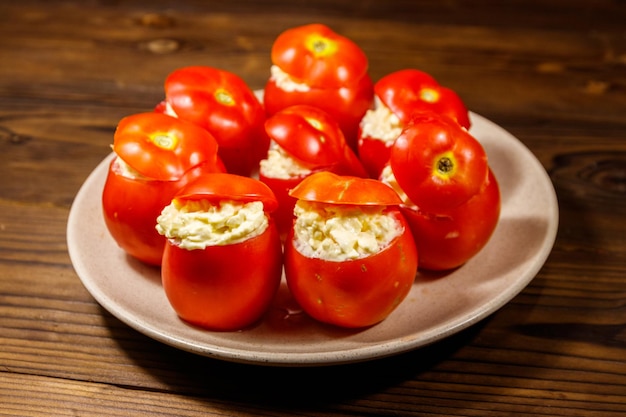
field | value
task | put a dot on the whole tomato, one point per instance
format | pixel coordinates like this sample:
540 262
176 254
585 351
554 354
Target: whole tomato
314 65
312 141
437 163
222 103
363 289
156 155
225 285
398 96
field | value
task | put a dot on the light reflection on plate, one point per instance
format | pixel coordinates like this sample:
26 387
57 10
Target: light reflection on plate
435 308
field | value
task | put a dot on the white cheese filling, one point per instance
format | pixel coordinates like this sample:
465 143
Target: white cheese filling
381 123
278 164
387 177
198 224
285 82
339 233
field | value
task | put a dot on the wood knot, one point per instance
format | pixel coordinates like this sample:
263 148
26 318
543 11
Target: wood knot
592 174
161 46
7 135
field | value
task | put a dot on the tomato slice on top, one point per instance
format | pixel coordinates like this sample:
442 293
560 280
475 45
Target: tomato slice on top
224 186
409 90
319 57
327 187
162 147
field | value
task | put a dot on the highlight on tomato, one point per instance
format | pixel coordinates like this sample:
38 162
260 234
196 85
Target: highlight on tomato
312 64
350 258
304 140
222 103
156 155
397 96
222 263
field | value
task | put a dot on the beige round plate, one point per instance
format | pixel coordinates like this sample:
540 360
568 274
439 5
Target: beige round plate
434 309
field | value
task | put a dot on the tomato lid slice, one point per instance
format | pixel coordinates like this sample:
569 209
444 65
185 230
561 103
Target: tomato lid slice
222 186
162 147
408 91
327 187
316 55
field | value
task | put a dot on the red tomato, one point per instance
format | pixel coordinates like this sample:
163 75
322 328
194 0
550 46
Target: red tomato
404 93
437 163
313 138
222 103
224 287
167 153
356 292
408 91
331 68
449 239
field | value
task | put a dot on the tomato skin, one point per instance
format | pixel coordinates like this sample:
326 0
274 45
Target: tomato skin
212 287
374 155
222 103
162 147
328 187
218 186
355 293
437 163
337 77
281 187
449 239
409 91
131 220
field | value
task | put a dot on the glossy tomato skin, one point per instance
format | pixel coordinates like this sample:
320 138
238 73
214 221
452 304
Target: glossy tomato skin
449 239
224 288
222 103
333 68
355 293
131 206
374 155
408 91
347 105
437 163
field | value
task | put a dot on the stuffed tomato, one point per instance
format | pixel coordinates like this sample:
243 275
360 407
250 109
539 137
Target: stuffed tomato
222 263
312 64
397 97
304 140
451 198
156 155
350 258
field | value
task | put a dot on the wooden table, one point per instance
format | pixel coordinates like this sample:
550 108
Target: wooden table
553 73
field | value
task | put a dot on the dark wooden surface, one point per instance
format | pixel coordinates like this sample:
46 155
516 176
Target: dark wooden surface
553 73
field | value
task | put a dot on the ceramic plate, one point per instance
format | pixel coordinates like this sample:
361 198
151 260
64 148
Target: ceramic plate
435 308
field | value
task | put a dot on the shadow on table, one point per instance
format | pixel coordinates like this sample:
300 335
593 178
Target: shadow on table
184 373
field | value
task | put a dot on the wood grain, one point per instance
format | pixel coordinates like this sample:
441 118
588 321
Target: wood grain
553 73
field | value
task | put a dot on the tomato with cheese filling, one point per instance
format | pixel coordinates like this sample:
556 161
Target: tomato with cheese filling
222 263
155 155
350 258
